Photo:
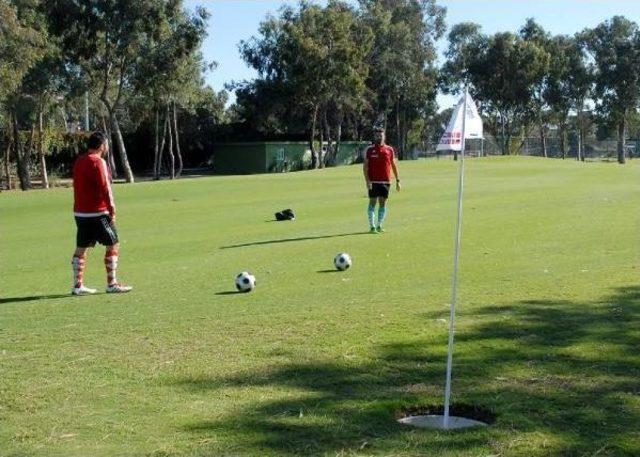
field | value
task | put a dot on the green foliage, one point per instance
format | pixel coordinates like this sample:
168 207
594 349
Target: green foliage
403 74
308 59
339 65
505 73
20 47
614 46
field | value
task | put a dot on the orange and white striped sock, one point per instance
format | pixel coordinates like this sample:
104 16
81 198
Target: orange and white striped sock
78 263
111 265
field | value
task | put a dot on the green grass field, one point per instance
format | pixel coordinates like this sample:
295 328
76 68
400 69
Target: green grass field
317 362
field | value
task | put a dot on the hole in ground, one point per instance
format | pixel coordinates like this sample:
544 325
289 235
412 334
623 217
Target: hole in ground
466 410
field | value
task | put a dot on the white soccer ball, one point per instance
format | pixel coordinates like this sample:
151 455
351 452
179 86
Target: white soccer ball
245 282
342 261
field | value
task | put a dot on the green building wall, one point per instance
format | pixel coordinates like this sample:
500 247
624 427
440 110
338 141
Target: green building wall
238 158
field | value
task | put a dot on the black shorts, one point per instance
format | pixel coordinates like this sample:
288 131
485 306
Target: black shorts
99 229
379 189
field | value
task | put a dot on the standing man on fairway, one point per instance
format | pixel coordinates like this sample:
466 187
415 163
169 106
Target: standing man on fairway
379 161
95 214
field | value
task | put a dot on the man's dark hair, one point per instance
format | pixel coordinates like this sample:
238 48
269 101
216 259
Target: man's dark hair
96 139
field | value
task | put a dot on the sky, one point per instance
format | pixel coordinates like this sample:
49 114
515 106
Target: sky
234 20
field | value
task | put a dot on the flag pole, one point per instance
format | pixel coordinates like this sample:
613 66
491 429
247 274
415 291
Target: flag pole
454 286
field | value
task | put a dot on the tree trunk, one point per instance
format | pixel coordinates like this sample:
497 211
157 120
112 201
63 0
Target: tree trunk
117 133
63 114
502 136
124 160
405 133
563 142
356 127
336 151
7 154
580 155
326 159
312 146
156 146
398 132
43 163
23 172
177 139
543 140
321 152
158 165
110 159
29 152
581 148
172 159
622 133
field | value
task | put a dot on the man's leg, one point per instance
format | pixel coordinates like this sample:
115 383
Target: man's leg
371 212
111 265
78 264
382 212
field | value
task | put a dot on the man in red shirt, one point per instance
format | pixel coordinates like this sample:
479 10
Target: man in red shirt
95 214
379 161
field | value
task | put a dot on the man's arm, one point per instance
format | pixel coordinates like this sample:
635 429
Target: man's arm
365 169
394 168
104 185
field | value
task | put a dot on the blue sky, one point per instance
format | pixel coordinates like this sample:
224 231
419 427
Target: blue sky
235 20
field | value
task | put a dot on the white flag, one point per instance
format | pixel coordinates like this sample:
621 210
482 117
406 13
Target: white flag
452 137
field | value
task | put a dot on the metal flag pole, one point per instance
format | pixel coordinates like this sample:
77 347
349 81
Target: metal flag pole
454 286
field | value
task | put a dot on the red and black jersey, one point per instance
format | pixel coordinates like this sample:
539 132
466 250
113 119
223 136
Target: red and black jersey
92 187
379 158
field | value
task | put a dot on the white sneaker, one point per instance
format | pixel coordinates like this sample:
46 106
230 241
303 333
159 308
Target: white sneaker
82 290
118 289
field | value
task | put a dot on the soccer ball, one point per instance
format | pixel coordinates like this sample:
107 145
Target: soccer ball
342 261
245 282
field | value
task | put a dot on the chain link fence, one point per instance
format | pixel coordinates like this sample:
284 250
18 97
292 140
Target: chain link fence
592 149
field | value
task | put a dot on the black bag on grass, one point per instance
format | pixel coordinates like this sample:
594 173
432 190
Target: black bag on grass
285 215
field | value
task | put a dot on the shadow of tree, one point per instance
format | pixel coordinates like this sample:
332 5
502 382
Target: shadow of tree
565 369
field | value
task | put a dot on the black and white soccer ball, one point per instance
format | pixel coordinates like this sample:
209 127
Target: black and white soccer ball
342 261
245 282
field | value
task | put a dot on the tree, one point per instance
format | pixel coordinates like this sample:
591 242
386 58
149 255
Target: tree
103 42
311 63
21 47
403 78
24 44
502 72
614 46
568 85
169 73
534 33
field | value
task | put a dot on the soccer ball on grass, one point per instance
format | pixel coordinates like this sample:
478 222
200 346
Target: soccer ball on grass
342 261
245 282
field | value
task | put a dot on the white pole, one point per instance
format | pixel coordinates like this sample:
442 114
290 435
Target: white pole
454 287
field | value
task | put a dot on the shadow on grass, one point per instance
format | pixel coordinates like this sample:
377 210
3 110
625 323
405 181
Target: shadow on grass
566 370
34 298
289 240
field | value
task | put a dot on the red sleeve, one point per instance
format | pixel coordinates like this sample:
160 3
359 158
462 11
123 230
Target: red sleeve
104 185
